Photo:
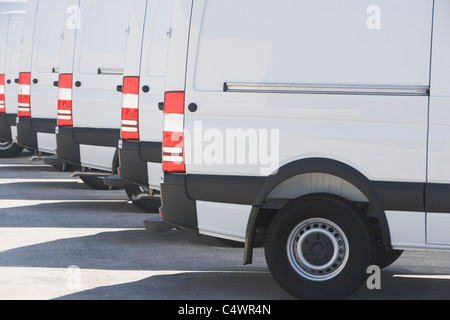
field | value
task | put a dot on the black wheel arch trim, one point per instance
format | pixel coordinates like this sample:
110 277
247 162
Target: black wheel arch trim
318 165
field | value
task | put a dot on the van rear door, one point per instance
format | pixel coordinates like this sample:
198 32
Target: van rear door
47 34
13 48
152 80
98 68
4 23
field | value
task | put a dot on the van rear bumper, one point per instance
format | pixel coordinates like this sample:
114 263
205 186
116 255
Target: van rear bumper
26 136
68 140
177 207
132 167
67 149
6 122
134 156
28 129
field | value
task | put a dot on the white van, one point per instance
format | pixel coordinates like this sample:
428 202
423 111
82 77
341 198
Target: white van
143 94
91 68
39 65
321 126
11 27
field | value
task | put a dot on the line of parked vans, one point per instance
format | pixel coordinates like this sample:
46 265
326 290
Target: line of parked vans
317 128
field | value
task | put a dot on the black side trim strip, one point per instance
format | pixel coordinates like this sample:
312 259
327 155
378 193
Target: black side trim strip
151 151
437 198
97 137
43 125
11 119
400 196
254 190
226 189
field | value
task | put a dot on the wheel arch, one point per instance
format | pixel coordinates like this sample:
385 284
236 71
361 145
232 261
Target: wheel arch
321 166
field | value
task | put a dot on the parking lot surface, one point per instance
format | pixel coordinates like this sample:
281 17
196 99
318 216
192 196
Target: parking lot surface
59 239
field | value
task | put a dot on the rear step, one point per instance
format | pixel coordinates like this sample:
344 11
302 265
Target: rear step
115 181
155 223
99 174
55 162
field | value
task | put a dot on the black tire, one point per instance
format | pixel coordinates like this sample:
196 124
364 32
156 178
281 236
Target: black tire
9 149
386 257
94 182
147 204
319 247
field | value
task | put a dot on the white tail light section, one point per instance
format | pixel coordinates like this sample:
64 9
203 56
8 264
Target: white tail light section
130 108
65 118
2 93
173 135
24 103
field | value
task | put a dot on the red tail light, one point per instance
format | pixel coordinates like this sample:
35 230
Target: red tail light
24 103
130 108
2 93
173 135
65 118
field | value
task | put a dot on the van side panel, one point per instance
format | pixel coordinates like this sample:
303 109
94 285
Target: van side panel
346 81
382 134
313 42
223 219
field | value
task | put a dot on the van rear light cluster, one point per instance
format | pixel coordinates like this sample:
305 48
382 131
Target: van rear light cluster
2 93
65 118
173 134
130 108
24 103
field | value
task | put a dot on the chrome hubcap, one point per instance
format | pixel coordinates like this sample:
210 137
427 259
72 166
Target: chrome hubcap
317 249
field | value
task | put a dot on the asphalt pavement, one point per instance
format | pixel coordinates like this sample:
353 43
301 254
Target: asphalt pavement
60 239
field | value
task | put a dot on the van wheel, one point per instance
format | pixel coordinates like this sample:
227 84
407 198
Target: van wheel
141 198
9 149
319 247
